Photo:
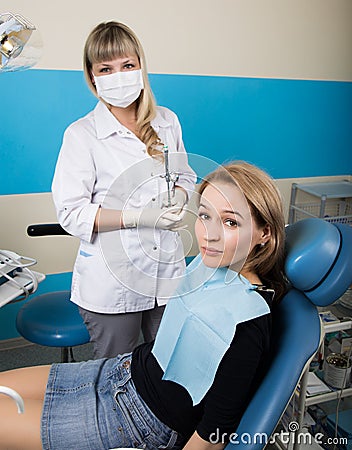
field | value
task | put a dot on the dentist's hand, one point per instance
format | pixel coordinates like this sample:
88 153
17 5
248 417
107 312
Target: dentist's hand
165 219
178 199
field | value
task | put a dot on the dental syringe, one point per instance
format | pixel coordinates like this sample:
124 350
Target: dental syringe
167 174
170 177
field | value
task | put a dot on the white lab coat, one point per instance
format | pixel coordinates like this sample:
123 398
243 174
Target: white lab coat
102 163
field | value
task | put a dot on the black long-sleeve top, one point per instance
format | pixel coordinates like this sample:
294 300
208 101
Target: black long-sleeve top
236 379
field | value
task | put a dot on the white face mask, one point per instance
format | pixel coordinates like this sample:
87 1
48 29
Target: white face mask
120 88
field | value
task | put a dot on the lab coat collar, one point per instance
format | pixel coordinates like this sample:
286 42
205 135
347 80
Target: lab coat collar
106 124
159 122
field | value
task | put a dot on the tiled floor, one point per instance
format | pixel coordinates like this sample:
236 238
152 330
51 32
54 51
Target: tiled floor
25 354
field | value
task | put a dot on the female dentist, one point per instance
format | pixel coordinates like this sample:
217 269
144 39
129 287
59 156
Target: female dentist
109 190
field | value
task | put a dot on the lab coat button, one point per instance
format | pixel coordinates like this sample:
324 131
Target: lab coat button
155 247
153 199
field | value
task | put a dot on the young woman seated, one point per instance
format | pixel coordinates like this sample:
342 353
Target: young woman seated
189 388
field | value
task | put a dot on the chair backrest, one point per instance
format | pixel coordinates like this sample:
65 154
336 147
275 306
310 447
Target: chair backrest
46 229
319 267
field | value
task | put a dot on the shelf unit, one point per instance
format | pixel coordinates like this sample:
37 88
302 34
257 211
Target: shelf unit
321 398
331 201
303 400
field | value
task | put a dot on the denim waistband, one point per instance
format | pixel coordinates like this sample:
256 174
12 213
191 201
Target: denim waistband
144 429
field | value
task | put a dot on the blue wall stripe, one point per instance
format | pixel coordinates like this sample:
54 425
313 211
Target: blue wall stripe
292 128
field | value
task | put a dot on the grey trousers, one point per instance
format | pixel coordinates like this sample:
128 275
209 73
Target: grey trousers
116 334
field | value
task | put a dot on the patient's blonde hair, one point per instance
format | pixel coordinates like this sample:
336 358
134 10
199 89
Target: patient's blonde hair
111 40
265 203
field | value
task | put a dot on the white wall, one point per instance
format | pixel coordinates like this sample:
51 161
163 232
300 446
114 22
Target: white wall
304 39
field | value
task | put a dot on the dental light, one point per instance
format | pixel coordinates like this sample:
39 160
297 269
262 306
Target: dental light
20 43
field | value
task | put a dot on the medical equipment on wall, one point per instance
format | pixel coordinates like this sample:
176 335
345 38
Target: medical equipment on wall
20 49
14 270
17 281
20 43
170 177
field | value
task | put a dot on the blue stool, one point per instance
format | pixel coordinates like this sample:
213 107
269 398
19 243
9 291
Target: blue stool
52 320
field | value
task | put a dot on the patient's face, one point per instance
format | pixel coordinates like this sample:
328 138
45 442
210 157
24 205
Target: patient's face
224 228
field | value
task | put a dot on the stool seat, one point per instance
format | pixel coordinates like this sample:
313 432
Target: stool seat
52 320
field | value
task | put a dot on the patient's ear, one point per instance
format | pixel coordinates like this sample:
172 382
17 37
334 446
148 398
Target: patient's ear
266 234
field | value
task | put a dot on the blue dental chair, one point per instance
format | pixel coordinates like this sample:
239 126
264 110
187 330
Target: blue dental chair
319 268
51 319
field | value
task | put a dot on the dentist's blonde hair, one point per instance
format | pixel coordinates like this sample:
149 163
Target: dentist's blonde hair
111 40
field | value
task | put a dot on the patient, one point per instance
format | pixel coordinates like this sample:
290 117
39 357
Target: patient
189 388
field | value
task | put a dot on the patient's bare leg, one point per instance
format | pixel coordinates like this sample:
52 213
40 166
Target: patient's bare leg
29 382
22 431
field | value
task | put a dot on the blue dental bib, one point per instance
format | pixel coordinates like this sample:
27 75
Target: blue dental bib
200 322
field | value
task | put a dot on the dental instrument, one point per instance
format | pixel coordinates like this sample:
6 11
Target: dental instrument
170 177
15 396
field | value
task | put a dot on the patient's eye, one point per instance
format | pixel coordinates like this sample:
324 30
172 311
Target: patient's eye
202 213
231 223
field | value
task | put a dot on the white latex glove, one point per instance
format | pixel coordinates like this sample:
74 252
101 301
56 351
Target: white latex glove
178 199
165 219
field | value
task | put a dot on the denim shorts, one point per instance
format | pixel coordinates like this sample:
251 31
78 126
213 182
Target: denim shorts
94 406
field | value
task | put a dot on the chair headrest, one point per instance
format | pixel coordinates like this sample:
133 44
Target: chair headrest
319 259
